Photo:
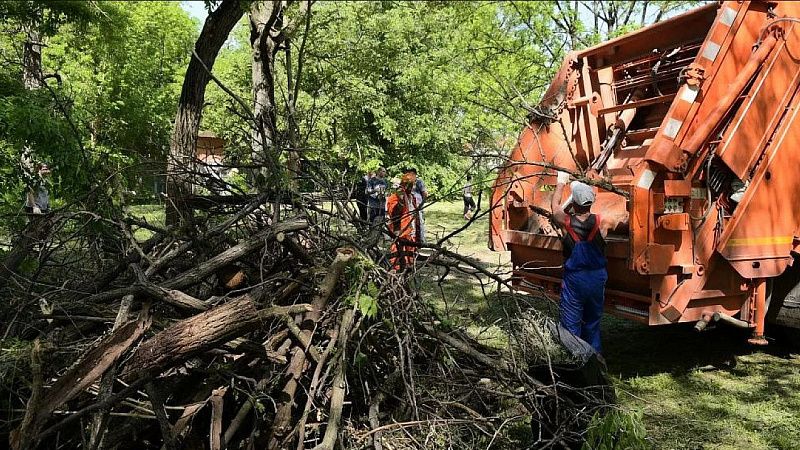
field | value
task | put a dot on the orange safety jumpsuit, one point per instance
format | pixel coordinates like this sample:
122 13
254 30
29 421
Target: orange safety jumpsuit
403 224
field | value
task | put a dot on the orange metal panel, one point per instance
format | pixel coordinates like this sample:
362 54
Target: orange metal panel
753 125
714 54
674 222
677 188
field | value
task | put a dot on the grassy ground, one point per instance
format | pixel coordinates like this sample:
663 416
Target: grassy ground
695 391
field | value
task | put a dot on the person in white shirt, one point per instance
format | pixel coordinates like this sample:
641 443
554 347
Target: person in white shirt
37 199
420 195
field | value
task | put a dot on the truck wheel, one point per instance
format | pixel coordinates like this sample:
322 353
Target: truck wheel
783 304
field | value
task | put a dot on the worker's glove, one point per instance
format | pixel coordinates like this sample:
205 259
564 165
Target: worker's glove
563 177
37 210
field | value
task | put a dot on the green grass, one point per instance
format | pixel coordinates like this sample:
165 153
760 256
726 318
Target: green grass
460 297
152 214
695 390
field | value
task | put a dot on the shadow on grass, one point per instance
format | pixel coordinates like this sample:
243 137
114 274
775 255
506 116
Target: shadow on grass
634 349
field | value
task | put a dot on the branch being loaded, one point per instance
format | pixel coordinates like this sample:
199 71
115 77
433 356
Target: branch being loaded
601 183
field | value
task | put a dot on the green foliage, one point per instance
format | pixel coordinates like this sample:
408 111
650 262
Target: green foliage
616 430
125 72
29 119
367 305
439 66
363 292
48 16
396 82
431 84
119 68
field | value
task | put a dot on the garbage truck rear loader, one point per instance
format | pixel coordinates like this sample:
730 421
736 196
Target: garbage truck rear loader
689 130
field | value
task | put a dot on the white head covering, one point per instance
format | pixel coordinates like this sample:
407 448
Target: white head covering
582 195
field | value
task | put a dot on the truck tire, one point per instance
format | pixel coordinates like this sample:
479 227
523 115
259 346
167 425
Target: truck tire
783 304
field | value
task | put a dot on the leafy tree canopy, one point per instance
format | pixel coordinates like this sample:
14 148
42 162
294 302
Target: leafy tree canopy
112 73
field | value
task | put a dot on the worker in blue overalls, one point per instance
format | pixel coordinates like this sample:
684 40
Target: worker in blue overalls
585 274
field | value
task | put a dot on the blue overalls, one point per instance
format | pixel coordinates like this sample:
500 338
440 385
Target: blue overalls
583 286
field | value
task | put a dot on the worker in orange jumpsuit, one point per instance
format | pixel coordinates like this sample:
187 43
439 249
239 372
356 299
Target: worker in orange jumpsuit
403 222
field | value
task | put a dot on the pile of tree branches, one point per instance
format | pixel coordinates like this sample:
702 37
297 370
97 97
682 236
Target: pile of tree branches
259 323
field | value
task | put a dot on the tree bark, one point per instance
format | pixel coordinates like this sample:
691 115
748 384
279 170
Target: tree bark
183 143
270 30
32 56
199 333
263 16
215 434
191 336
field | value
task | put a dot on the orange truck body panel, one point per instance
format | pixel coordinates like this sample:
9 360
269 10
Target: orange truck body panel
695 121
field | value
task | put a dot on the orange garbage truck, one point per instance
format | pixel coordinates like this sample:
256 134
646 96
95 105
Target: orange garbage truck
689 132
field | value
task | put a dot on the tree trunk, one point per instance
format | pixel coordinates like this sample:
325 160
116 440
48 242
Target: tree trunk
183 143
32 56
31 79
263 15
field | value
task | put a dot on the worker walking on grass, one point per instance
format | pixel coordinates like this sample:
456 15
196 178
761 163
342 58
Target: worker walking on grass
469 203
403 222
585 274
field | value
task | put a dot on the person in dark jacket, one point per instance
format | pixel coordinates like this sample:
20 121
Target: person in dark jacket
361 196
376 192
469 203
585 274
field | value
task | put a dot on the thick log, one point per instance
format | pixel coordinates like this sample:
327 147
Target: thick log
193 335
90 368
199 333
